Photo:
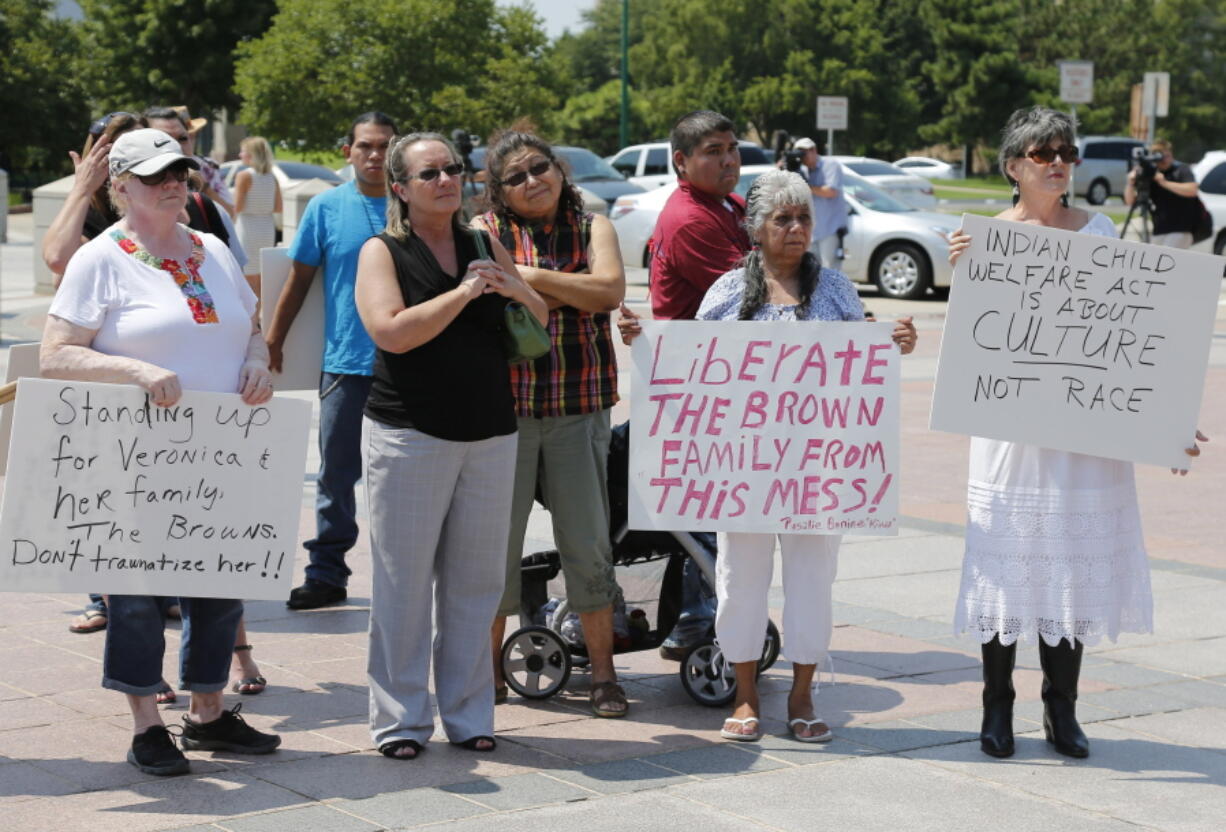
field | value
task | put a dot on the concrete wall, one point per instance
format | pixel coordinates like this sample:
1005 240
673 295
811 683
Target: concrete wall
48 200
4 206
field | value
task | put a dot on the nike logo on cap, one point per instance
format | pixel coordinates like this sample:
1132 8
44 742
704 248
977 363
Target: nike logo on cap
159 144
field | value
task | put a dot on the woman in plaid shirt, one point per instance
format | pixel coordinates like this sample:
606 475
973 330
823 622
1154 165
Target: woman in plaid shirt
563 398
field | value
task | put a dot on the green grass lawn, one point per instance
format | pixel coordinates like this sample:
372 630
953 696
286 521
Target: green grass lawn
975 186
328 158
14 198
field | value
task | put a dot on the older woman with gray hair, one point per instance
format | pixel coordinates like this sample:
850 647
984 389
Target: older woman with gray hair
780 280
1054 550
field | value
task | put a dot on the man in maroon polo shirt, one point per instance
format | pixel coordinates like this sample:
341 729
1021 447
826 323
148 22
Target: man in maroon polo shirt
699 236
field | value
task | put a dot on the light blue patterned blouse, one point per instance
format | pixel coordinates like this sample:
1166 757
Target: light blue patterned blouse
834 299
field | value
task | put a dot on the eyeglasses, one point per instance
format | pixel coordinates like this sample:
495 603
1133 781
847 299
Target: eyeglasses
180 172
100 125
521 176
1047 155
430 174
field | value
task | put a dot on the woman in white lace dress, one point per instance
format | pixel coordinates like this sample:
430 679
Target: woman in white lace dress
1054 551
780 281
256 199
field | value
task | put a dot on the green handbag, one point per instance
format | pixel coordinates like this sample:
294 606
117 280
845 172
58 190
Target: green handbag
523 337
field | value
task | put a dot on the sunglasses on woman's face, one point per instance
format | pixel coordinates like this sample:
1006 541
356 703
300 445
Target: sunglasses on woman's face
180 173
100 125
1047 155
537 170
430 174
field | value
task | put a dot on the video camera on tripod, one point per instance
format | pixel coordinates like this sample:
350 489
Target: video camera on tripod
792 159
1146 163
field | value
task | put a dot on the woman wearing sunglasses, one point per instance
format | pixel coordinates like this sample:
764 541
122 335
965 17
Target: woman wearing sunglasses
1054 550
563 398
439 449
151 303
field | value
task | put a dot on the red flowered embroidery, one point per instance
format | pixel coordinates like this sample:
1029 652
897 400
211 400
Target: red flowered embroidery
186 276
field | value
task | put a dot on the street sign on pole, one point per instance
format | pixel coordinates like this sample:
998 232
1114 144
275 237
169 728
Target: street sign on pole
1155 100
831 116
1077 81
1157 94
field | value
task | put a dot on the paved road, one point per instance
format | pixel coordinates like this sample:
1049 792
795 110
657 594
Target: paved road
904 705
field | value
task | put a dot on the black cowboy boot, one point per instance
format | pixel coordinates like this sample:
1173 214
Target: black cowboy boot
996 735
1061 669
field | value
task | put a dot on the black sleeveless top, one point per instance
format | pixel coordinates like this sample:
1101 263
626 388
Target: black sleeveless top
457 386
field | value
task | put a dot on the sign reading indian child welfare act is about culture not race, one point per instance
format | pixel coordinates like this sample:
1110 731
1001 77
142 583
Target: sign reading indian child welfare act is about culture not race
784 427
1076 342
109 493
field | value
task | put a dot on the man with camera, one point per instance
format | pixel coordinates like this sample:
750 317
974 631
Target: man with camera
1171 189
825 178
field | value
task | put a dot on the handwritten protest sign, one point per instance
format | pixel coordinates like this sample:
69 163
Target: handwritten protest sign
1076 342
785 427
109 493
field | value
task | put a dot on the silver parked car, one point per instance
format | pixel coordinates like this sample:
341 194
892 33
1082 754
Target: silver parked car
901 250
1103 169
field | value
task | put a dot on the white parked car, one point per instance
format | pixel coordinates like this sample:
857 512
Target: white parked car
928 167
651 165
902 251
1210 173
913 190
286 173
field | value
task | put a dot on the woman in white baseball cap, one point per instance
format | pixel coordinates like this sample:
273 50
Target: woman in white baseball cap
151 302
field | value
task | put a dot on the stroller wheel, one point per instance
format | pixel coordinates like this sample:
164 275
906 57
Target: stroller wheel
770 649
535 662
706 676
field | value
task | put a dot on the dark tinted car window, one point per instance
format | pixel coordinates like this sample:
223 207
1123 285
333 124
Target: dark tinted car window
627 163
1215 181
751 155
873 168
1095 150
657 162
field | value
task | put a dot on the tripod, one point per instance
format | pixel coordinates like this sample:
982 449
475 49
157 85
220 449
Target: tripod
1142 201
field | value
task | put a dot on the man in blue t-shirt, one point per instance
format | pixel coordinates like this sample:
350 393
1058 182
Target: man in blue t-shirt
331 234
825 178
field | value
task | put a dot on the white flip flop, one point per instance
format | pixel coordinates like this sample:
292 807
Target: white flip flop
732 735
809 723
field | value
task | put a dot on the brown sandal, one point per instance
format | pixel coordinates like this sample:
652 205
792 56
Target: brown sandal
604 694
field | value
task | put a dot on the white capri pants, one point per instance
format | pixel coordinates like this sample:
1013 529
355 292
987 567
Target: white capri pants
742 583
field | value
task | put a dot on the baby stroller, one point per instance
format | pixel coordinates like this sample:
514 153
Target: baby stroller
537 660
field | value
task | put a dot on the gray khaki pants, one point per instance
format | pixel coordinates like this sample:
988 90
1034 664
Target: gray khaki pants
439 516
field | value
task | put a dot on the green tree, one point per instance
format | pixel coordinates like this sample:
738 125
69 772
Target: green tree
430 64
145 52
976 71
44 107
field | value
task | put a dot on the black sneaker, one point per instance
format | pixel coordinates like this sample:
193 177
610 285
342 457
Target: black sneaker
154 752
314 594
229 732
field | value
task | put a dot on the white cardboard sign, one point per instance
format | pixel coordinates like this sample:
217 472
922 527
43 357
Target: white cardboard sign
303 353
1076 342
109 493
781 427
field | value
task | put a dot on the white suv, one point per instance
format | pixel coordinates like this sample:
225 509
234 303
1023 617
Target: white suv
651 165
1103 170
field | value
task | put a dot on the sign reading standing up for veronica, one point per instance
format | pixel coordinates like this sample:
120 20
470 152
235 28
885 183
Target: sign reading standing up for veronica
784 427
1076 342
109 493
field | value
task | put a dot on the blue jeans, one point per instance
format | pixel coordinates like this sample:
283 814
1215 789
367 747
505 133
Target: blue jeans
342 398
697 601
135 643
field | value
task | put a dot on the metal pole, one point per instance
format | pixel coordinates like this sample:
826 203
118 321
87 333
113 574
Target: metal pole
829 141
624 127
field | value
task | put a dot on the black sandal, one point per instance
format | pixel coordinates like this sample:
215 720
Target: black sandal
471 743
389 749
